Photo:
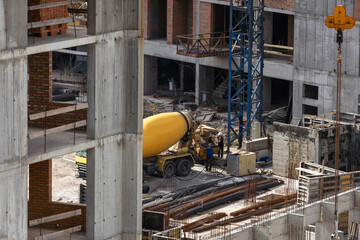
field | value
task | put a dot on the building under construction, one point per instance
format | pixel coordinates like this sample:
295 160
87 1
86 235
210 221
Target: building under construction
269 79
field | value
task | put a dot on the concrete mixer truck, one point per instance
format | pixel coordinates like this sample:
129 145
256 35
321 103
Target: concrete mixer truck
171 144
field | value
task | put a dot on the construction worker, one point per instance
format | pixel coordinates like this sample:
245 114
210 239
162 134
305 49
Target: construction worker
220 143
209 157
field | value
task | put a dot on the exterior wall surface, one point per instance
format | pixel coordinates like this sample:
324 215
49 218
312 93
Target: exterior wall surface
292 145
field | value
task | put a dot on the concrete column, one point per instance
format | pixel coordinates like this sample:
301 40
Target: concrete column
204 82
266 93
182 75
13 122
115 90
297 98
197 83
150 75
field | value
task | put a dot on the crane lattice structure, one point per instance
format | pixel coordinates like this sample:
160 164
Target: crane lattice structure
245 67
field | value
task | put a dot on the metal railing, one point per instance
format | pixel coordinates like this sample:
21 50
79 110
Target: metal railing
203 45
217 44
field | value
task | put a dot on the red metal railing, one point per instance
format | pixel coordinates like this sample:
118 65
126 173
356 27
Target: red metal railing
203 45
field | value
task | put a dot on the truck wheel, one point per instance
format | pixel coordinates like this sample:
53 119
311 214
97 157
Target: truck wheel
169 169
183 168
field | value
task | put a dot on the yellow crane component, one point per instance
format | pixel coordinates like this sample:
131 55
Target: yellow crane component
339 20
163 130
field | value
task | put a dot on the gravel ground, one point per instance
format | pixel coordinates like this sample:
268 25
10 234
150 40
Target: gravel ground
66 184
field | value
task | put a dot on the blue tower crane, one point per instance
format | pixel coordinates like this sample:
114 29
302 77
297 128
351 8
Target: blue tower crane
246 56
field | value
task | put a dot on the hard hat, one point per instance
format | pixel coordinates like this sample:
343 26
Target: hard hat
220 134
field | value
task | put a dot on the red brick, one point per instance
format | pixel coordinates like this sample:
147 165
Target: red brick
40 203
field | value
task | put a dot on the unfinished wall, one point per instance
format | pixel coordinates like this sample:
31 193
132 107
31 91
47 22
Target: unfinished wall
292 145
47 14
315 57
40 93
40 202
206 17
282 4
327 147
326 82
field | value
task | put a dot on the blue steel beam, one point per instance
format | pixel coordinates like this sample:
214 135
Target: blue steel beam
245 51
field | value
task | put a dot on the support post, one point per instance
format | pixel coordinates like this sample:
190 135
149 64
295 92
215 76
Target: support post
115 90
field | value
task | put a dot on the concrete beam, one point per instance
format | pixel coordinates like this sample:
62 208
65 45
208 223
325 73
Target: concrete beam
204 82
150 75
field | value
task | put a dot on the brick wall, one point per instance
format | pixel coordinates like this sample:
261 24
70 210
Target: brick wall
206 17
146 19
40 93
280 4
47 14
40 203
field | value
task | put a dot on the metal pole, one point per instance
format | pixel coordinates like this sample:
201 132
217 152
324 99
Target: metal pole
337 139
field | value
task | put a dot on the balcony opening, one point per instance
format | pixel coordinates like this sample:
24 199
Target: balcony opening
158 19
281 90
279 36
221 18
310 110
310 91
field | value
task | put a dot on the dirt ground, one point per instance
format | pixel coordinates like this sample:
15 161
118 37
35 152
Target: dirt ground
66 184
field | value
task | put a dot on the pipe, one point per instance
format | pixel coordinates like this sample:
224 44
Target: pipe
219 201
211 198
266 203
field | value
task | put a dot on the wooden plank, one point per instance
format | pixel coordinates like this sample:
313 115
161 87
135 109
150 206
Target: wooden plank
56 217
278 46
312 172
58 111
4 238
67 51
50 22
57 129
59 233
55 4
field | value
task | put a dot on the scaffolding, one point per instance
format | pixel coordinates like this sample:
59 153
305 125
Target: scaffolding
245 67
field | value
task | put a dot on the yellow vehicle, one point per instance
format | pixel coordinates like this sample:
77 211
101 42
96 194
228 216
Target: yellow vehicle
171 144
